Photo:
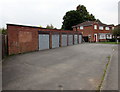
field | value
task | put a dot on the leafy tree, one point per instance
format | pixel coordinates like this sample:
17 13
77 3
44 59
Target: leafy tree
71 18
116 32
40 26
50 26
3 30
77 16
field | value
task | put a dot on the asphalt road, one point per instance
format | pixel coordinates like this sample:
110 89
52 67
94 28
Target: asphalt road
78 67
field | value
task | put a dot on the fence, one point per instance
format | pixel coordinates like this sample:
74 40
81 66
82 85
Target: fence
4 46
0 47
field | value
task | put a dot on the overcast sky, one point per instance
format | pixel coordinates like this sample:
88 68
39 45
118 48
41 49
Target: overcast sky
43 12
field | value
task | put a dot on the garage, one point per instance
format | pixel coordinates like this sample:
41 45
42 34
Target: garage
85 38
80 38
75 39
43 41
70 39
55 40
64 40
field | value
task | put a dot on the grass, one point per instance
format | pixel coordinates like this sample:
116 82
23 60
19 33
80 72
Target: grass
104 74
109 42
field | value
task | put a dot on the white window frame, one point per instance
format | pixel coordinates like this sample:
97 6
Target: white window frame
95 26
109 37
100 27
107 28
102 36
81 27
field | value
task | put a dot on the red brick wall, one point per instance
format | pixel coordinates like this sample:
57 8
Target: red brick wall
22 39
25 38
89 30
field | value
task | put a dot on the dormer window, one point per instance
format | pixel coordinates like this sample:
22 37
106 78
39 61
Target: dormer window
81 27
95 26
100 27
107 28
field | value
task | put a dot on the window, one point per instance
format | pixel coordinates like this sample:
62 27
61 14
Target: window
112 28
100 28
81 27
102 36
95 26
107 28
109 36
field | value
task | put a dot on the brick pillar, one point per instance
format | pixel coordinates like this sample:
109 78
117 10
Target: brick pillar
67 40
60 40
50 40
73 39
78 38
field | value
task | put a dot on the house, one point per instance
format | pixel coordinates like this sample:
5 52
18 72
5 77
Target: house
94 31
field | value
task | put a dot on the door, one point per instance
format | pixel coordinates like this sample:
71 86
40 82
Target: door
55 40
75 39
95 37
80 38
85 38
70 39
43 41
64 40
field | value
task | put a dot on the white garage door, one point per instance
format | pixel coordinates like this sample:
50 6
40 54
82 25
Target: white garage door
75 39
64 40
80 38
43 41
70 39
55 40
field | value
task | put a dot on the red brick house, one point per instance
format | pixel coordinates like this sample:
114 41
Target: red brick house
94 31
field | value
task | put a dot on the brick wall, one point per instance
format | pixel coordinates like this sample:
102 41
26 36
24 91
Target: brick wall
25 38
17 42
89 30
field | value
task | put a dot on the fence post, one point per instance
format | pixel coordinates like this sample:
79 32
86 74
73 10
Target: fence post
4 46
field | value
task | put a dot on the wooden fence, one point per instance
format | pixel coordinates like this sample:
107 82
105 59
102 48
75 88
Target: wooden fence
4 46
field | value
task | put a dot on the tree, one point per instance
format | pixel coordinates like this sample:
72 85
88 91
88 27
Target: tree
50 26
40 26
77 16
116 32
3 30
71 18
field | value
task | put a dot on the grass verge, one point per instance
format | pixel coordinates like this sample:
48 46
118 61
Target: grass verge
103 76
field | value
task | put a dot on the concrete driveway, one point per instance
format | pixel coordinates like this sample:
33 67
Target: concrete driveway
78 67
